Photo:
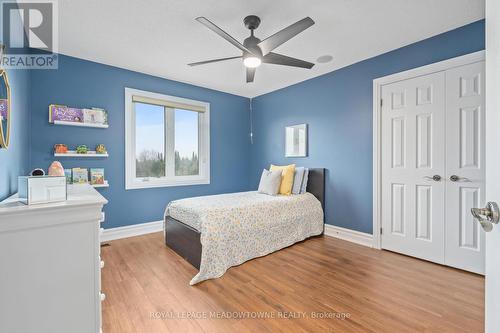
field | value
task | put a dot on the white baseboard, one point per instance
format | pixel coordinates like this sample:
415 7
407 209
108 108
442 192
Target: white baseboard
357 237
131 230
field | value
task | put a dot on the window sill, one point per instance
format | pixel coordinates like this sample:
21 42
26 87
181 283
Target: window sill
136 185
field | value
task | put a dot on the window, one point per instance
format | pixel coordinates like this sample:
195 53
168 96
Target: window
167 140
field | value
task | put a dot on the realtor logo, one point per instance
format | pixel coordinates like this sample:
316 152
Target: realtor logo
29 31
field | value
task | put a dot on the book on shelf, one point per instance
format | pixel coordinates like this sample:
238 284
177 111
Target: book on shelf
97 176
95 116
64 113
69 176
80 175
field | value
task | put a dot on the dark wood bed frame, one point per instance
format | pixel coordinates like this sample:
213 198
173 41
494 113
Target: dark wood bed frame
185 240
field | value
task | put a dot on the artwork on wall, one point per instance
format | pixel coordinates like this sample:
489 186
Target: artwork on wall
296 141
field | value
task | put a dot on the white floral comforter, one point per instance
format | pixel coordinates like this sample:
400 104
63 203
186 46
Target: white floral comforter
241 226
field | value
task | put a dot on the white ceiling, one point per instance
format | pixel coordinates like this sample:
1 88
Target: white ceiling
160 37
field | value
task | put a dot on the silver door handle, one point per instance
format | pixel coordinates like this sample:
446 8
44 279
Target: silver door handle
455 178
435 178
487 216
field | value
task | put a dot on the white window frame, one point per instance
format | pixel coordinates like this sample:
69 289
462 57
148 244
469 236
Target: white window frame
131 181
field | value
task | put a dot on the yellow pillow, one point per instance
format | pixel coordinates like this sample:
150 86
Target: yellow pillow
287 175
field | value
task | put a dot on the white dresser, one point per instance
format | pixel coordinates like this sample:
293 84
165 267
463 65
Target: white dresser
50 266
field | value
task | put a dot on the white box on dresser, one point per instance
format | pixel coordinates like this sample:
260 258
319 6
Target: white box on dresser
50 264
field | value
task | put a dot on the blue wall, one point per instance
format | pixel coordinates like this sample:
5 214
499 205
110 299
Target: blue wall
14 161
338 108
81 83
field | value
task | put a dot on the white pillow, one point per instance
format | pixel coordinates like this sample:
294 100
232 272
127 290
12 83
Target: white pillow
303 189
270 182
297 180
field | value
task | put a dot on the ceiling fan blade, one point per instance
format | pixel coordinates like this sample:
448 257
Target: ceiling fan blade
250 74
272 42
213 60
222 33
279 59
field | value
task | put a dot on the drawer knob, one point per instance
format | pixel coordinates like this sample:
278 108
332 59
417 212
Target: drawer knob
103 296
102 263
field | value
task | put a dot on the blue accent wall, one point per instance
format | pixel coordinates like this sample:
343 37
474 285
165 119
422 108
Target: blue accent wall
81 83
14 161
338 109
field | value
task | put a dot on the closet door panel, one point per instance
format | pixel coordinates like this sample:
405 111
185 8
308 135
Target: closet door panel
413 151
465 158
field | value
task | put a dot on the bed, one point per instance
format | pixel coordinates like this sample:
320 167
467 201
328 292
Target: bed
214 233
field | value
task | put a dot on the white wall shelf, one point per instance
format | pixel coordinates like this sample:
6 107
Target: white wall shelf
89 154
106 184
71 123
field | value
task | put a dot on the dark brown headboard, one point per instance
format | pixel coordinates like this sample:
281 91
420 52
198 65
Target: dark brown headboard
316 184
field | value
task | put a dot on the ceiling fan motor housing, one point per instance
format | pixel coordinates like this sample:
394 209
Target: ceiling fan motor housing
251 44
251 22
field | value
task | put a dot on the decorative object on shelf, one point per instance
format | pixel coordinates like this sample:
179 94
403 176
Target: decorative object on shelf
95 116
56 169
97 176
80 175
82 149
68 115
100 149
296 141
64 113
69 176
5 110
60 148
37 172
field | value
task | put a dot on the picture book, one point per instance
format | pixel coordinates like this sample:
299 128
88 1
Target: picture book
97 176
95 116
80 176
69 176
64 113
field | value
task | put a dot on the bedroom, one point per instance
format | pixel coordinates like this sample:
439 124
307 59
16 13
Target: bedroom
364 223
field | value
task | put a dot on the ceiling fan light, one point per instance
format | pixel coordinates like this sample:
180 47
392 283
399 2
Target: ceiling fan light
252 62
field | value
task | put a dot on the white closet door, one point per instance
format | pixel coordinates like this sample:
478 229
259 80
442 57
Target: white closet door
413 151
465 158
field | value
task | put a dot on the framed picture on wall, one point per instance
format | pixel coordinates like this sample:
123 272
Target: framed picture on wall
296 141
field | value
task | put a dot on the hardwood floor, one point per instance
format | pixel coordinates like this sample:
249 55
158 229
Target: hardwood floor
353 289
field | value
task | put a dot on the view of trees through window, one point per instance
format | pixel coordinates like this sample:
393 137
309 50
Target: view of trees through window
186 166
150 141
150 163
186 143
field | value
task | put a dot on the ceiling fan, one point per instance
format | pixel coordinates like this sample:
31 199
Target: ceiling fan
256 51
